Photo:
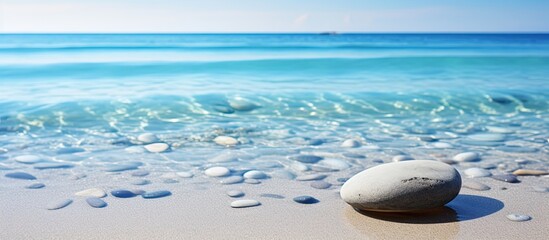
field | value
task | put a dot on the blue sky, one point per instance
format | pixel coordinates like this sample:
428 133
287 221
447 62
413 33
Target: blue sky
274 16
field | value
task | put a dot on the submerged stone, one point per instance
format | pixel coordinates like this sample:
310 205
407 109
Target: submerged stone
96 202
59 204
245 203
121 193
305 199
156 194
20 175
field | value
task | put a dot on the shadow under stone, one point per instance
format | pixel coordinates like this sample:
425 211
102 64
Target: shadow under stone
462 208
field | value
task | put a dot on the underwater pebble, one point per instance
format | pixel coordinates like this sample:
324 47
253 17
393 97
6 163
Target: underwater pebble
529 172
232 180
252 181
270 195
442 145
311 177
283 174
306 158
254 174
353 155
35 186
123 193
122 167
223 109
499 129
59 204
52 165
245 203
475 186
298 166
69 150
217 171
20 175
518 217
305 200
400 158
226 141
28 159
147 138
140 182
477 172
241 104
92 192
487 137
350 143
320 185
185 174
140 173
510 178
157 147
156 194
235 193
427 139
467 157
96 202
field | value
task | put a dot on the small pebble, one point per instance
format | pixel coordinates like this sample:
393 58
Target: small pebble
241 104
235 193
305 200
20 175
252 181
35 186
223 109
477 172
245 203
123 193
442 145
307 158
311 177
140 173
342 180
140 182
28 159
529 172
467 157
217 171
92 192
353 155
270 195
320 185
254 174
147 138
59 204
69 150
510 178
185 174
350 143
518 217
156 194
226 141
52 165
475 186
157 147
232 180
96 202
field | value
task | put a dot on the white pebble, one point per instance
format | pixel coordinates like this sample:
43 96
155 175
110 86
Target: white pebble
226 141
185 174
518 217
147 138
235 193
466 157
217 171
245 203
27 159
350 143
254 174
157 147
92 192
477 172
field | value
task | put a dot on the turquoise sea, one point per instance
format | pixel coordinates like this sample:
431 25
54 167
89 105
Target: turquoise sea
79 102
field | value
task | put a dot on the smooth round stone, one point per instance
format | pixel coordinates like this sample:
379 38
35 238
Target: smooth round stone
140 182
123 193
134 149
400 158
59 204
232 180
156 194
402 186
223 109
442 145
52 165
244 203
299 166
35 186
350 143
242 105
185 174
235 193
499 129
92 192
316 142
140 173
427 139
252 181
467 157
518 217
311 177
28 159
321 185
20 175
157 147
70 150
147 138
254 174
305 200
487 137
510 178
217 171
475 186
353 155
226 141
529 172
477 172
283 174
96 202
335 164
307 158
270 195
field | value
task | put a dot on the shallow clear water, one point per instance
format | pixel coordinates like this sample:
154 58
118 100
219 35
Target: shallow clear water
84 99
